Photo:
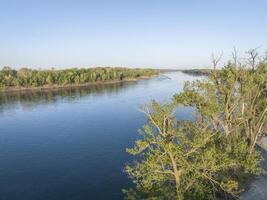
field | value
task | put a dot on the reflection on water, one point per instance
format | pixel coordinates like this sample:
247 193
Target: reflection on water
70 143
28 99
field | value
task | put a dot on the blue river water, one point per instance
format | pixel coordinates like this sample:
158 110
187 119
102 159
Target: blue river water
70 144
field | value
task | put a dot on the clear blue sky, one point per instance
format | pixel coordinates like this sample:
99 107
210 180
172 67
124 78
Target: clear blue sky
135 33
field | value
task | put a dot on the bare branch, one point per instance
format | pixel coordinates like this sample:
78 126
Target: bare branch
235 56
253 57
216 59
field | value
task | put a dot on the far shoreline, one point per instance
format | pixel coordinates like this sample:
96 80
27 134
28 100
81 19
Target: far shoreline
69 86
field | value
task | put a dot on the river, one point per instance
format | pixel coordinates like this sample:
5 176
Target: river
70 144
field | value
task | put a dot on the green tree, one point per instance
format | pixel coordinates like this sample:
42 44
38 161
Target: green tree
208 157
185 159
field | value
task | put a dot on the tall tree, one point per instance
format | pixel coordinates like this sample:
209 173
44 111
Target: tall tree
204 158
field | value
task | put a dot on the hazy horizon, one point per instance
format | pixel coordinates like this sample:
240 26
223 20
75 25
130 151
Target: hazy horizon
155 34
87 67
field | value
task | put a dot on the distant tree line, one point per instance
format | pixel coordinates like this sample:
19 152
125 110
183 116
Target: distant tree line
209 157
197 72
36 78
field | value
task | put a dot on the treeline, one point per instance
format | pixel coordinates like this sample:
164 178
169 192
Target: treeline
37 78
197 72
210 157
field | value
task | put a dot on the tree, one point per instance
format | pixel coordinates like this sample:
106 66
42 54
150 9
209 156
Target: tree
232 100
34 78
204 158
184 159
253 57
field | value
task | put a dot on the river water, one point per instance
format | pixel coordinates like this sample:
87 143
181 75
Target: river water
70 144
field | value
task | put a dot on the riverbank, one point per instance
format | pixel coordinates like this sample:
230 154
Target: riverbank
197 72
32 79
57 87
193 72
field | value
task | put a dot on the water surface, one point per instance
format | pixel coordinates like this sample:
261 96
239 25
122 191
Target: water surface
70 144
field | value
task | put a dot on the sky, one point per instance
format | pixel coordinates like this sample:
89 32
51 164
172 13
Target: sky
130 33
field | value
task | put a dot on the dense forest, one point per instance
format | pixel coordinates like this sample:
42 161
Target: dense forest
212 156
27 78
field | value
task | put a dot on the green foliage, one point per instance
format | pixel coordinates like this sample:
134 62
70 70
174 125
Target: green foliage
207 158
37 78
232 100
186 160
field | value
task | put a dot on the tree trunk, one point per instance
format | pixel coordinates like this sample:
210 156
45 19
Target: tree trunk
177 176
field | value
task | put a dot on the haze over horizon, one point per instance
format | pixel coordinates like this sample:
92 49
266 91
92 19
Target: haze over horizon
141 33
